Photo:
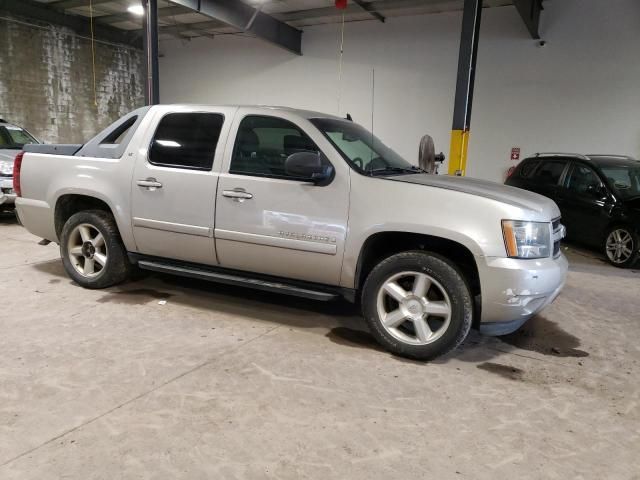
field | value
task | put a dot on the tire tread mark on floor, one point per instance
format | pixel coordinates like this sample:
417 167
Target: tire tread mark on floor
137 397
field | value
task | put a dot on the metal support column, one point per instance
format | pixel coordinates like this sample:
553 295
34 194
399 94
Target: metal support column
150 27
464 86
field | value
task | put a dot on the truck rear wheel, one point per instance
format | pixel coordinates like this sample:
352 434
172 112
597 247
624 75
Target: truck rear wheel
417 305
92 251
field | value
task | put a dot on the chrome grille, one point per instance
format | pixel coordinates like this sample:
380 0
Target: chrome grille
558 235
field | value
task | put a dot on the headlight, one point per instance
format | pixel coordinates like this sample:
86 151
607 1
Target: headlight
6 168
527 239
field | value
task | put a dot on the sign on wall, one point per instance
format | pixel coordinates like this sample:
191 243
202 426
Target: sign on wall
515 153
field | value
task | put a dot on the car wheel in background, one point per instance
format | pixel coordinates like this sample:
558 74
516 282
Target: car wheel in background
417 305
621 246
92 251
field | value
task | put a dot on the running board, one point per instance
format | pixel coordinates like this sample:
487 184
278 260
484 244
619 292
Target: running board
239 280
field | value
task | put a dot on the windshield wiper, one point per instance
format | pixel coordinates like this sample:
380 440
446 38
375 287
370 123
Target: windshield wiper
390 169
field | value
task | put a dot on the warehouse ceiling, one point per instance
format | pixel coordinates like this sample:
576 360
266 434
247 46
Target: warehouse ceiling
181 22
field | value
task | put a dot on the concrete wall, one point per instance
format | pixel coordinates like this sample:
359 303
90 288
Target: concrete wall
46 81
580 92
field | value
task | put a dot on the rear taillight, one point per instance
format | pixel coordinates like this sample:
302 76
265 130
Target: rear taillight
17 165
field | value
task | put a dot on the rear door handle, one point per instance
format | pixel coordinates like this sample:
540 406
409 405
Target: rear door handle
150 183
237 194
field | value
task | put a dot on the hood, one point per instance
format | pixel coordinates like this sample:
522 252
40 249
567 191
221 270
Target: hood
6 154
483 188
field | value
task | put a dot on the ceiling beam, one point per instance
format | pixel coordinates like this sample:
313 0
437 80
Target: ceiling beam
132 17
181 30
246 18
32 10
197 26
67 4
369 7
127 16
353 8
530 10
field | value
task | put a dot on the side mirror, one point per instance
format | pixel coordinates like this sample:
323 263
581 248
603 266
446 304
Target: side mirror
308 166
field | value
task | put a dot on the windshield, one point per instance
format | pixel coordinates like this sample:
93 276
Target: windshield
625 179
361 149
14 138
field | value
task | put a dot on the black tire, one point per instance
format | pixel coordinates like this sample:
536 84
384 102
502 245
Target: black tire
622 230
444 272
117 268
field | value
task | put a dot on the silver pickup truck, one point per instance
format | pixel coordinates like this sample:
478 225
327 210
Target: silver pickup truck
301 203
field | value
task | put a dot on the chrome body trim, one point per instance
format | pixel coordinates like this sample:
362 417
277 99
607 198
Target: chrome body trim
173 227
280 242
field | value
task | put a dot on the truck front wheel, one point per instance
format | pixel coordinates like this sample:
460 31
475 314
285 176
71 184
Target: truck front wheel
417 305
92 251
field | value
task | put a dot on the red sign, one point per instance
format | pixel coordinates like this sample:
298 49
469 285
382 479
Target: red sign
515 153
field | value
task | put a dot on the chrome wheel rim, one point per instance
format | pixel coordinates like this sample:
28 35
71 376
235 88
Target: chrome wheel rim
87 250
619 246
414 308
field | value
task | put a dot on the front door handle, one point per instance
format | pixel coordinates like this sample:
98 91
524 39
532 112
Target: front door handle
150 183
237 194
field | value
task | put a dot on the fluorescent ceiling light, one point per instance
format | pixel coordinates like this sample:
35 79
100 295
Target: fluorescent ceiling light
136 9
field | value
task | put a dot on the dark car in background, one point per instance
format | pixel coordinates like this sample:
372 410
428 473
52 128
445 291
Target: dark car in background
598 195
12 139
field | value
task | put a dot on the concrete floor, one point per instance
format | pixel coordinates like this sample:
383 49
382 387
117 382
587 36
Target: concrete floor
230 383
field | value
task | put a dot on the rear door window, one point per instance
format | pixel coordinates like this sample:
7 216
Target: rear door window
186 140
549 172
583 180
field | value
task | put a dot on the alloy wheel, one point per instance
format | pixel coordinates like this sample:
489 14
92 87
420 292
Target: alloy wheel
87 250
414 308
619 246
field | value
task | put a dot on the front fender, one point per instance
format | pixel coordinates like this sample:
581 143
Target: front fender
357 242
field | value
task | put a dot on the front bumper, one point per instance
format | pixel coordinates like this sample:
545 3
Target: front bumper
7 197
514 290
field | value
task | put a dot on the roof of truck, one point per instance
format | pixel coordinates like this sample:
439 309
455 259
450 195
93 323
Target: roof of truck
302 112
